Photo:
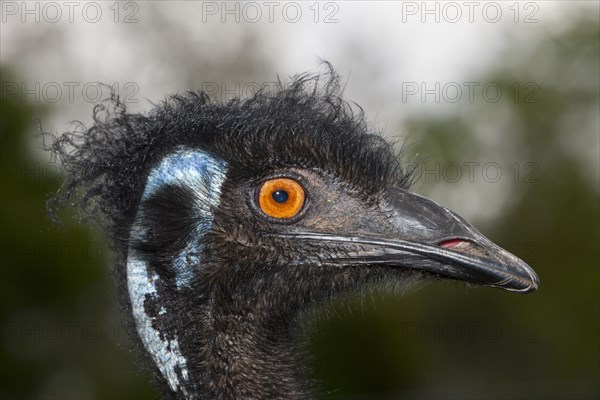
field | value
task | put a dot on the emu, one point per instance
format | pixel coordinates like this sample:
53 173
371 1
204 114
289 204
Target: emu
228 220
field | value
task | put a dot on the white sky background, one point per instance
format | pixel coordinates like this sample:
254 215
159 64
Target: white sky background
379 46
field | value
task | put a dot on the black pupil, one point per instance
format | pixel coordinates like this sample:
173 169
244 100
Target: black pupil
280 196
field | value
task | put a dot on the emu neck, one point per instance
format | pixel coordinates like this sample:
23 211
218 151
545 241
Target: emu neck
250 336
251 355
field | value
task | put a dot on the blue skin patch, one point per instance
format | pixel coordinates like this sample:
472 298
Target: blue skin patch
203 175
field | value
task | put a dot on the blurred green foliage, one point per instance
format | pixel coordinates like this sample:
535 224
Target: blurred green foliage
59 331
60 337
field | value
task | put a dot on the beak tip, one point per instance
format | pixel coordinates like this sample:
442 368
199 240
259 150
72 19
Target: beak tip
531 288
534 280
526 284
535 283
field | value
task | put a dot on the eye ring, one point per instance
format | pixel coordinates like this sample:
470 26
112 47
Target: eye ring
281 198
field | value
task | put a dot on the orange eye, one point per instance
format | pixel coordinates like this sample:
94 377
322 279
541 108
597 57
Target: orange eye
281 198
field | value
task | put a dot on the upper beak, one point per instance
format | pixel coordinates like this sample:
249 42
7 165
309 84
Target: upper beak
432 238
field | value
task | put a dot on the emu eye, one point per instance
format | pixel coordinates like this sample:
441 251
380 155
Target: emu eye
281 198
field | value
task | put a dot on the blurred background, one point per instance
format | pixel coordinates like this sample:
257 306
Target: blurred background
500 105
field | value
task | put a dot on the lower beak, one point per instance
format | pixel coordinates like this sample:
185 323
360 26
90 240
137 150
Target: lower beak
432 238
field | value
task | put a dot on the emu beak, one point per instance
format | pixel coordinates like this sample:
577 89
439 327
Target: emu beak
461 252
432 238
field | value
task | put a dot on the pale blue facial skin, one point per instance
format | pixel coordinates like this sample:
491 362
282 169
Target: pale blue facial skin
204 175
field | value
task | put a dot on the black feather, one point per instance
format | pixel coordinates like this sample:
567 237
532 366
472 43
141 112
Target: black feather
305 123
239 316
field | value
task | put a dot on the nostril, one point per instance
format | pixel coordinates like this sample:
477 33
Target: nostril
450 243
466 247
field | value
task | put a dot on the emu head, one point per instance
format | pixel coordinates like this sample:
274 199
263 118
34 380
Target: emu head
229 219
